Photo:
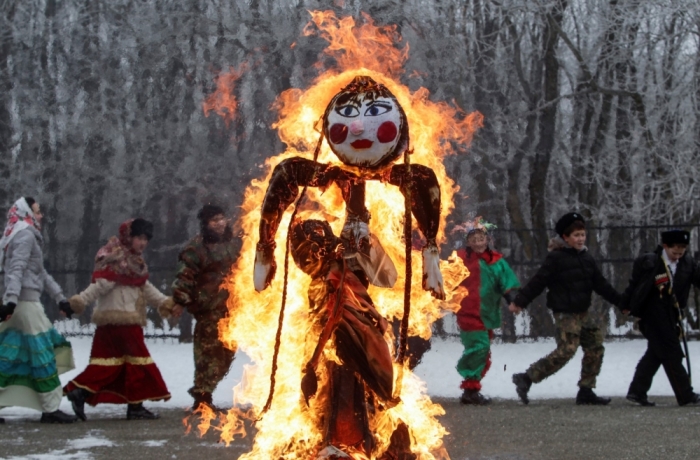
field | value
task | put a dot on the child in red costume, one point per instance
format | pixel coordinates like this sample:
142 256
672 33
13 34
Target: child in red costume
121 370
490 277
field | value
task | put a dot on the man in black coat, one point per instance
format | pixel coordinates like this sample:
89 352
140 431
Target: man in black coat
571 275
658 293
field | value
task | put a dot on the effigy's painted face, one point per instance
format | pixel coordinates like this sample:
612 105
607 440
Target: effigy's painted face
366 128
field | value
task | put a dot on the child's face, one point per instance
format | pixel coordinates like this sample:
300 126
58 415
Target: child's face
675 252
577 239
477 242
139 243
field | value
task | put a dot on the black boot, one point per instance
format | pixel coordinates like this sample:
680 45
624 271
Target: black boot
641 400
522 383
138 412
474 398
57 417
2 420
586 396
694 400
77 400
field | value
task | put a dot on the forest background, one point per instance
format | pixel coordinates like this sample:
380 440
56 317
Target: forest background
588 104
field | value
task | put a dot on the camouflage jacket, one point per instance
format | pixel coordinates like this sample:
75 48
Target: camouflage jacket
201 270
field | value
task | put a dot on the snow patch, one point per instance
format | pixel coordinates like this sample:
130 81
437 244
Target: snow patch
76 449
154 443
88 442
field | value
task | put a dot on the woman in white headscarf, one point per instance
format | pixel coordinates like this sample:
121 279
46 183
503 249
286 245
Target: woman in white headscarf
32 352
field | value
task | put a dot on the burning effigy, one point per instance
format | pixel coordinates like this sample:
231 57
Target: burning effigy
363 170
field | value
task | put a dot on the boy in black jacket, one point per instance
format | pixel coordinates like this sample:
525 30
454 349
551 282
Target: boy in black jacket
658 293
571 275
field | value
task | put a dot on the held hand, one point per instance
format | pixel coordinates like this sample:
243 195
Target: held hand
7 310
514 308
177 310
65 309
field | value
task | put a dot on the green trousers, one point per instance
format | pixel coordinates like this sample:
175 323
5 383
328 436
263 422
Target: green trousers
476 358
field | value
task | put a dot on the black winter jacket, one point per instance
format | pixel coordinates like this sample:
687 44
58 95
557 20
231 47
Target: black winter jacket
570 277
641 293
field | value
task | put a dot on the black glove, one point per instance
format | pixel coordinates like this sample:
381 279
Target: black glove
64 306
510 296
6 310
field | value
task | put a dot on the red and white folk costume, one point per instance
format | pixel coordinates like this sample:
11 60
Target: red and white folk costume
121 370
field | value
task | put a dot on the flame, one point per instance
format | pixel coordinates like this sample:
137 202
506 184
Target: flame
206 415
223 101
453 271
289 429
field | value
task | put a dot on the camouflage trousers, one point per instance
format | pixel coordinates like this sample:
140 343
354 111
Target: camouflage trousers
573 329
212 360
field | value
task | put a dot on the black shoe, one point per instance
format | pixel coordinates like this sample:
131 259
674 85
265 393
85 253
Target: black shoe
138 412
57 417
586 396
694 400
641 400
522 383
77 400
474 398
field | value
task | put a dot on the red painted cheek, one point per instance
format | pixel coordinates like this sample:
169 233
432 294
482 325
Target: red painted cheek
387 132
338 133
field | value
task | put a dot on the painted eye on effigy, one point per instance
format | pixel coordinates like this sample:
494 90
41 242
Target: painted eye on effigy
349 111
377 109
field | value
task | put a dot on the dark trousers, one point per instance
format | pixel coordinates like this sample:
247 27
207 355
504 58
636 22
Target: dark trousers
663 349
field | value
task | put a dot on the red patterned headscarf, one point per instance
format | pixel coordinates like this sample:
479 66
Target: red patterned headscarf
116 261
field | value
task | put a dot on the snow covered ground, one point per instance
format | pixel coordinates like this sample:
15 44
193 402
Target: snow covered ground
437 369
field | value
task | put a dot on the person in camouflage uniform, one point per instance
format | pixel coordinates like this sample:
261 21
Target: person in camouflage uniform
571 275
202 267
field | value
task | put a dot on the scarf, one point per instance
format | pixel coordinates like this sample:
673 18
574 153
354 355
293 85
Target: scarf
116 261
19 217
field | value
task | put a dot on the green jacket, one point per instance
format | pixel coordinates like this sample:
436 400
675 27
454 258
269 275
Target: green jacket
200 271
490 277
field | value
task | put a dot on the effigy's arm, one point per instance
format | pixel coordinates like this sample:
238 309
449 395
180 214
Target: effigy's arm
424 189
282 190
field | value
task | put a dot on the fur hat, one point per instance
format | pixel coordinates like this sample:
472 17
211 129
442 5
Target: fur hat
566 220
208 212
675 236
140 227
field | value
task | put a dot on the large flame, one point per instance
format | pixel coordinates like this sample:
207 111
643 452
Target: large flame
223 101
288 430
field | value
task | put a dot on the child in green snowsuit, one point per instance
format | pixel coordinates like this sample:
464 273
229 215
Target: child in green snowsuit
490 277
